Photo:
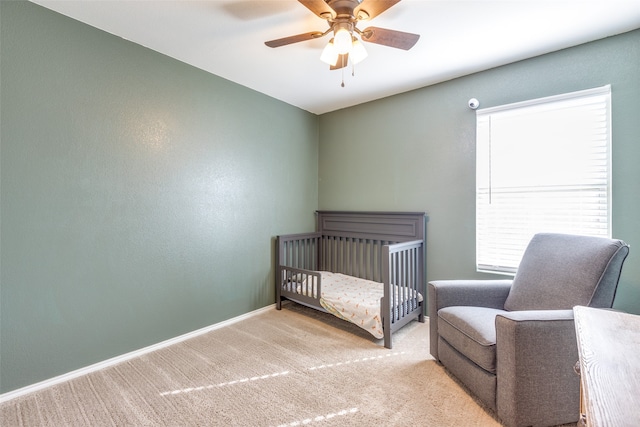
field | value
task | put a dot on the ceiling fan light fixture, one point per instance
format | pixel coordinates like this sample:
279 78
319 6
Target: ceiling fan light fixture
329 54
358 52
342 38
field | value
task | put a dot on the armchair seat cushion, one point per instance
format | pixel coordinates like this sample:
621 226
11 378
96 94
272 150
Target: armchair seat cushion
471 331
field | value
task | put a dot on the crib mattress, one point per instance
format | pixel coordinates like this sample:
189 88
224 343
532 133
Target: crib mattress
356 300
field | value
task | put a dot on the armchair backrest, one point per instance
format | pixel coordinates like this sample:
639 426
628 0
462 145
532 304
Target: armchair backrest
560 271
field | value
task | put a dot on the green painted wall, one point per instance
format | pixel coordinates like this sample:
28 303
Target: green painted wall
416 151
132 185
139 196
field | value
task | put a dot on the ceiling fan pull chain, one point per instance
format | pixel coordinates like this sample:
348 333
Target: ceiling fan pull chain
342 59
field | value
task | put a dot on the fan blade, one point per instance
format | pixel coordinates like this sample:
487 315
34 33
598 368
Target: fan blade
319 7
293 39
373 8
391 38
342 62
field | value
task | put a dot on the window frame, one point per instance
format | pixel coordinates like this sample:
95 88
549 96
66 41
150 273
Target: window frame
483 164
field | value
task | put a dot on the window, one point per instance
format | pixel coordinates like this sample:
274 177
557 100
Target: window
542 166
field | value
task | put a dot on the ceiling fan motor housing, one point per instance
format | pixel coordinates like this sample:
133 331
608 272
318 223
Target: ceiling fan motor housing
344 8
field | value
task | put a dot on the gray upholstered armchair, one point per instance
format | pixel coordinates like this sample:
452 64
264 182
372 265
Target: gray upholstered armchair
512 342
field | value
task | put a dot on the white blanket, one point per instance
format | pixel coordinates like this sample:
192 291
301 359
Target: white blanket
356 300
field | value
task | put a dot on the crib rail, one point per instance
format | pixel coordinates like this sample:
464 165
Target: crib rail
297 258
302 285
404 282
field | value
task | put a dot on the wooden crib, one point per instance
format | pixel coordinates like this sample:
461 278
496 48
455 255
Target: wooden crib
385 248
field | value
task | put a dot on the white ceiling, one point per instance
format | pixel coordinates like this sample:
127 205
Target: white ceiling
458 37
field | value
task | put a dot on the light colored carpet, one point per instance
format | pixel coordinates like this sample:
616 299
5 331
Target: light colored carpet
291 367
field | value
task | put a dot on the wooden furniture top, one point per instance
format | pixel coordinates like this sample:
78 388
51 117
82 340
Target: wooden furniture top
609 348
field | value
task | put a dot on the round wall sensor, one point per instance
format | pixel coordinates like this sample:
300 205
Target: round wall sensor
474 103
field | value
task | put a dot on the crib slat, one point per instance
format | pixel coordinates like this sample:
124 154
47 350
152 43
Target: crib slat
359 260
344 267
400 299
374 254
367 259
405 296
334 251
402 296
394 280
414 274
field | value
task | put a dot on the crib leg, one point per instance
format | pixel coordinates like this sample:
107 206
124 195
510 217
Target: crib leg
387 339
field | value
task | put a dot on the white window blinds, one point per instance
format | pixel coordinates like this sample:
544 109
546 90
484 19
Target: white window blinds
542 166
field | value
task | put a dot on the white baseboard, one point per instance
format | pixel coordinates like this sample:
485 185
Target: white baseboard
124 357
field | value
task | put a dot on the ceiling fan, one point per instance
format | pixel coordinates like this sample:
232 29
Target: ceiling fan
343 17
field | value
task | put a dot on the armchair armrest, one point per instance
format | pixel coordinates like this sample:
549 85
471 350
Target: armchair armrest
447 293
536 351
477 293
